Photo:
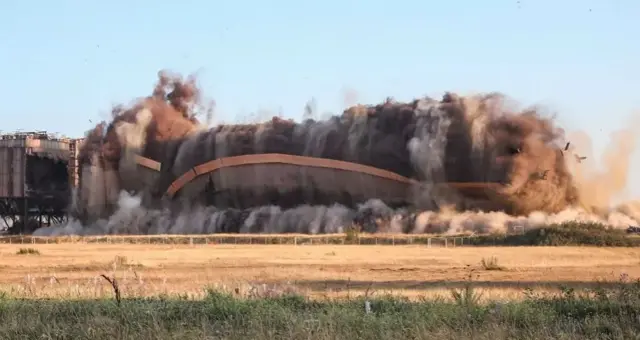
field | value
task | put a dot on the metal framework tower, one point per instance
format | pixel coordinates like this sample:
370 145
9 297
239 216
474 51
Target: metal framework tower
37 174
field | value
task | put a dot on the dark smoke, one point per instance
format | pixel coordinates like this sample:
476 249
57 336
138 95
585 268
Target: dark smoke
477 139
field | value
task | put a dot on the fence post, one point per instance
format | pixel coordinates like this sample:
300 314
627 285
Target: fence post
446 243
428 242
393 240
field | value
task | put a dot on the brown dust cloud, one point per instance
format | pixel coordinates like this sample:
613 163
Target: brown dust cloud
536 171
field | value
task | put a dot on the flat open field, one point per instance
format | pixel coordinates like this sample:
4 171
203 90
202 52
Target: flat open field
73 270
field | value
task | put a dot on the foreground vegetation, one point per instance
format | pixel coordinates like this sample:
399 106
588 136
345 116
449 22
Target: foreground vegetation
564 234
612 313
608 311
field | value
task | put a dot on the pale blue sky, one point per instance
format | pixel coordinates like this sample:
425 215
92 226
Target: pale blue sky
65 62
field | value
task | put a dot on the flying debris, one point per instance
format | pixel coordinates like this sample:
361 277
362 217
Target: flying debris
566 147
579 159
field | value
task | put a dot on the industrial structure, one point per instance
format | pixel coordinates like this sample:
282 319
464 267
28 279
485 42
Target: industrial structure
38 173
458 152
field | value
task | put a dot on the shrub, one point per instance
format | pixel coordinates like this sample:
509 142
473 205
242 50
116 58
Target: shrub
491 264
563 234
352 233
28 251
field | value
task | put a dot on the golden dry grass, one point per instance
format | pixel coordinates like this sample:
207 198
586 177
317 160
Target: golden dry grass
72 270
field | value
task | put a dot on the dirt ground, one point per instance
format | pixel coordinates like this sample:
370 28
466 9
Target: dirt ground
73 270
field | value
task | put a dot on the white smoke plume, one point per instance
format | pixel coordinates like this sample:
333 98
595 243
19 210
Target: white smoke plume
131 218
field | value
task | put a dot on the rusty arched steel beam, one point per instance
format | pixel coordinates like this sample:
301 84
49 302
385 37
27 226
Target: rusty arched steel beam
148 163
276 158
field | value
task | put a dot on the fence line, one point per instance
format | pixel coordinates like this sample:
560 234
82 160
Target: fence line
247 239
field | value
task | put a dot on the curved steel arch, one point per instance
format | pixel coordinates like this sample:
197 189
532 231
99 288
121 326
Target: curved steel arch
276 158
148 163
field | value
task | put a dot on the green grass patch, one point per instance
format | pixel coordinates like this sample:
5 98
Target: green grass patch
565 234
599 314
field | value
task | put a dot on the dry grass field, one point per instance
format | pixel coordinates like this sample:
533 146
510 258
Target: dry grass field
73 270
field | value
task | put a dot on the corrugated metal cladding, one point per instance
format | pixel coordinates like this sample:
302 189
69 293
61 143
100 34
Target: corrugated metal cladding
43 144
5 171
13 154
19 165
12 143
12 165
36 145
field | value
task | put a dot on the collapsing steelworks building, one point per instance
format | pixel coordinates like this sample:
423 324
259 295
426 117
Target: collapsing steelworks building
38 173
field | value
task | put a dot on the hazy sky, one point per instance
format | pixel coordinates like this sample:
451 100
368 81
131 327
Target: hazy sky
65 63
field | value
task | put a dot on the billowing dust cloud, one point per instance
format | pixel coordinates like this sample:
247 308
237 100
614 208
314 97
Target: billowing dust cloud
478 163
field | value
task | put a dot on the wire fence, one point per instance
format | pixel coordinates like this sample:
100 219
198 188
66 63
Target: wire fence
245 239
